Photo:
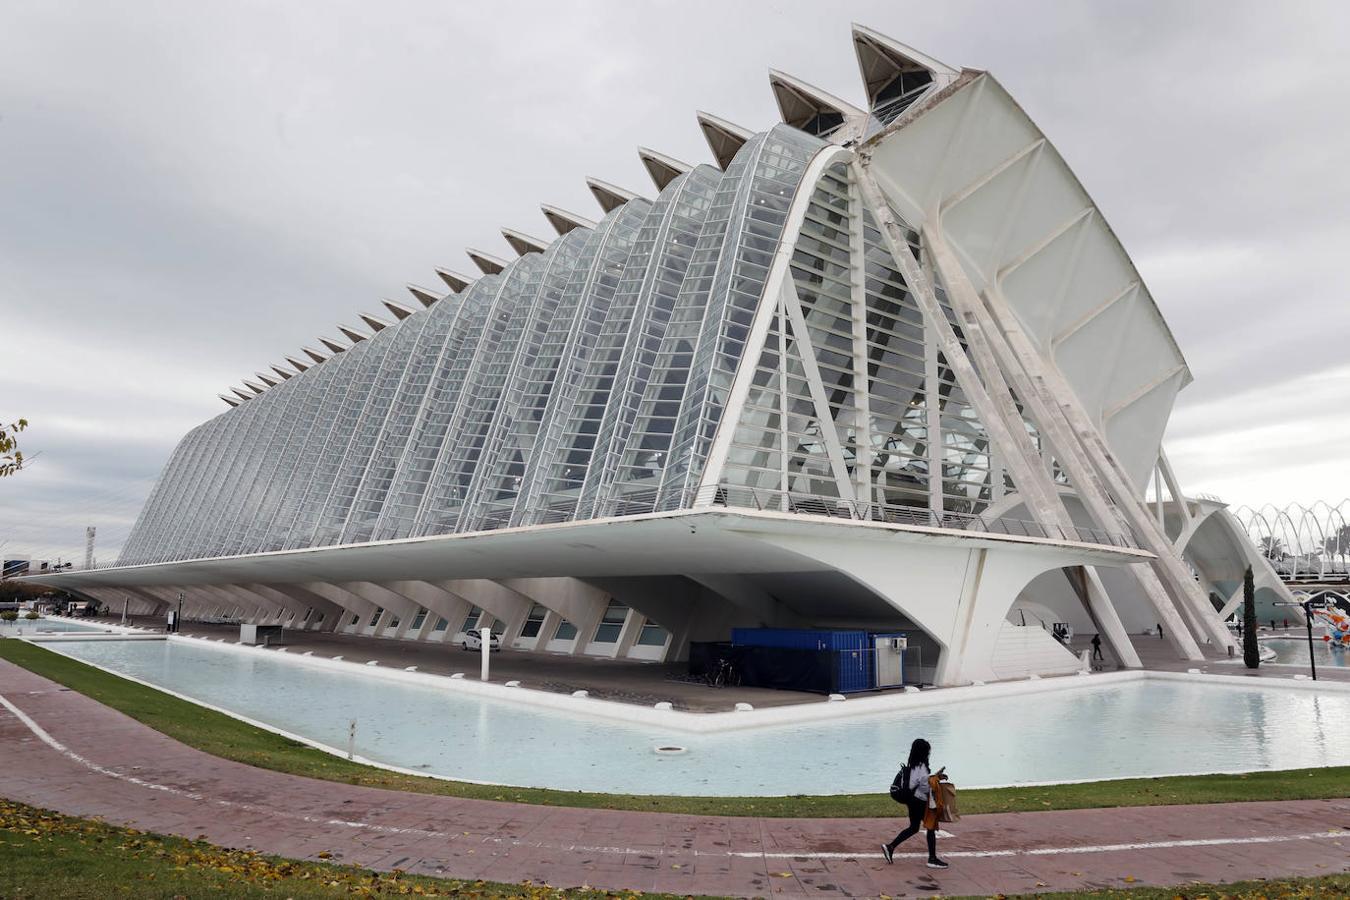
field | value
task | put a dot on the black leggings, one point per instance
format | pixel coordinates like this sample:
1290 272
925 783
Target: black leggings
916 811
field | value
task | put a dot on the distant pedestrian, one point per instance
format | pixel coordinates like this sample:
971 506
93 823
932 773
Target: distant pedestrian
911 787
1272 624
1097 647
1286 623
1160 631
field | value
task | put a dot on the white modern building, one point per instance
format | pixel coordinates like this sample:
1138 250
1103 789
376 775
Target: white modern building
882 365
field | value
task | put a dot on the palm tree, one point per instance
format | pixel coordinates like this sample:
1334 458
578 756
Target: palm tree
1272 548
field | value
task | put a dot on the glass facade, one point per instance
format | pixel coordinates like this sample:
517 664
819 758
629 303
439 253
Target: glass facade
592 378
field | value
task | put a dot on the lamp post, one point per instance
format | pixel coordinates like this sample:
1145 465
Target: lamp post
178 619
1307 619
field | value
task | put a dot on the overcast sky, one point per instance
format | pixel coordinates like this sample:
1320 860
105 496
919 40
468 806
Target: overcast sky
188 191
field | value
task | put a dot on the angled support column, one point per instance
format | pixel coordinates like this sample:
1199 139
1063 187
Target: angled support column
1095 471
1234 602
158 606
1173 486
379 595
696 608
346 600
281 593
436 600
508 607
263 610
983 332
993 401
272 600
576 601
149 603
331 611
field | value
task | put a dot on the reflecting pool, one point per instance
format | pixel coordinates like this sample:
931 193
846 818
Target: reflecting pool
1294 652
47 623
1088 732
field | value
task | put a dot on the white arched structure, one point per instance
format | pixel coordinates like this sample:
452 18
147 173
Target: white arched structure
890 356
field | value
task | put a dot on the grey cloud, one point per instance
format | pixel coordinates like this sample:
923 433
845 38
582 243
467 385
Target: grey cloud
188 192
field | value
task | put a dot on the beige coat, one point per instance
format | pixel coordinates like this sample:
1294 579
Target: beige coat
943 808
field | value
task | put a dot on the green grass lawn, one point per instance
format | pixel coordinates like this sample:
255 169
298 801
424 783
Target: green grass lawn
47 855
226 737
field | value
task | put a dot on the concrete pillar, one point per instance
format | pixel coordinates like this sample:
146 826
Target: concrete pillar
439 603
576 601
507 606
331 613
394 604
350 603
688 608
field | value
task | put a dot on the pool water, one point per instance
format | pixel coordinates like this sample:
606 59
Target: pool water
1089 732
46 623
1294 652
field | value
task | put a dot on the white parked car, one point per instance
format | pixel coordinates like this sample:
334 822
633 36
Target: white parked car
473 640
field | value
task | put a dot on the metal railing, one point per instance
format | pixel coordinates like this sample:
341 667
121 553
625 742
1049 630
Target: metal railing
738 497
734 496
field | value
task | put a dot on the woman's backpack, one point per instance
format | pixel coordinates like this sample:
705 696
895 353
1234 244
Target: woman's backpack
901 792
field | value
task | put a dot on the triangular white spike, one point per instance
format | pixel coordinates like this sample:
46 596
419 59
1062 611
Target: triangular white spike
282 372
809 108
882 59
489 264
299 366
228 400
523 243
454 280
399 311
267 379
663 169
564 221
607 195
332 345
376 323
724 139
313 354
254 386
424 296
242 395
351 334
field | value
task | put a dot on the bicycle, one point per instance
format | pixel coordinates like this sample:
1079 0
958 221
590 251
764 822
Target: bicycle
723 674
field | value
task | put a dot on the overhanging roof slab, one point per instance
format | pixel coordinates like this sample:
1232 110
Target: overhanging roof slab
687 542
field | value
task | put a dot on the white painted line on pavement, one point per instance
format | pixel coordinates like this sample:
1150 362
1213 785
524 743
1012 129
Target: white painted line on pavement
1059 851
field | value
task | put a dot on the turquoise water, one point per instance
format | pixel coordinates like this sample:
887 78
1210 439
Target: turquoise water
1140 728
1294 652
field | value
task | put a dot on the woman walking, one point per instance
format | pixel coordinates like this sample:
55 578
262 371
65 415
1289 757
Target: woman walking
912 788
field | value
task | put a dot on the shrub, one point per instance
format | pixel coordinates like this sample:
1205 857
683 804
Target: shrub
31 615
9 615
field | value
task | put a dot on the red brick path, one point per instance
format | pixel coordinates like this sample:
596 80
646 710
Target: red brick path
108 765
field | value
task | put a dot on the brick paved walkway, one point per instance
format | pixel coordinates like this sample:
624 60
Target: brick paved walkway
67 752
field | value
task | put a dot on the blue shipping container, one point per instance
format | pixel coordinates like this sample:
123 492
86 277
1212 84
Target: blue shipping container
800 638
852 659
